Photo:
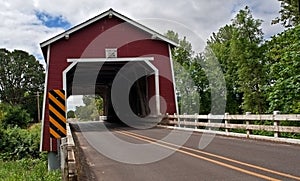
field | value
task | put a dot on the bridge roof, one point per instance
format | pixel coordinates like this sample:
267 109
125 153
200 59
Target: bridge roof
109 12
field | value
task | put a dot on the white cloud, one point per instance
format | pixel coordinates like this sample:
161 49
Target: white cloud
21 29
73 101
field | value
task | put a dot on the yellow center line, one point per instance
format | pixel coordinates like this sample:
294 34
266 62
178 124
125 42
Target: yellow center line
221 157
204 158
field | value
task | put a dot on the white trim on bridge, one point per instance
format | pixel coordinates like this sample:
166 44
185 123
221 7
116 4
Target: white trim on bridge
127 59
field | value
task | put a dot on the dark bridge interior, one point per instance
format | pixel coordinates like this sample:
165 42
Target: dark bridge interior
96 78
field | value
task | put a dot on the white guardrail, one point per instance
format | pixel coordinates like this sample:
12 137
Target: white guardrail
223 124
67 152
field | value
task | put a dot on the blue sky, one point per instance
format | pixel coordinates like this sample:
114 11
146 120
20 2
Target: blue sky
51 21
25 24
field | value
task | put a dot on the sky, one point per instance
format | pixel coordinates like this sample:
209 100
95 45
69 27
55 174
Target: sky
25 24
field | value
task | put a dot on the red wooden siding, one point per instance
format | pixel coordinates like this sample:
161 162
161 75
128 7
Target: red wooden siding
91 41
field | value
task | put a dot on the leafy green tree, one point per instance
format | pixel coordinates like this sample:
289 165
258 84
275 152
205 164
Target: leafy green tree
99 105
289 13
71 114
238 48
247 51
191 82
91 110
217 85
14 116
283 65
2 112
260 76
22 76
220 44
198 72
182 56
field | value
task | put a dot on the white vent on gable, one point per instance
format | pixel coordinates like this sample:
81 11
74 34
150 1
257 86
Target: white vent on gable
111 52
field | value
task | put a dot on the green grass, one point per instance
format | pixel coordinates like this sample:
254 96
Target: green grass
27 170
20 159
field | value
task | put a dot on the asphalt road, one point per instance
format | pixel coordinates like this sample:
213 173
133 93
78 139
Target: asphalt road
114 152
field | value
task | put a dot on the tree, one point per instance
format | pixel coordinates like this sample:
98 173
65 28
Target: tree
246 49
191 82
99 105
13 116
289 13
283 64
71 114
92 109
21 77
220 44
238 49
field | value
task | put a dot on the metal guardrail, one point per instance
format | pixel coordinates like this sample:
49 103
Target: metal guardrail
68 161
210 123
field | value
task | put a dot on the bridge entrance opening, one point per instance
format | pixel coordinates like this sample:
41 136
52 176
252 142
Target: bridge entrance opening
85 107
97 78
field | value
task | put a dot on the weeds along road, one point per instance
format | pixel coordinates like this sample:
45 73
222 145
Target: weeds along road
224 158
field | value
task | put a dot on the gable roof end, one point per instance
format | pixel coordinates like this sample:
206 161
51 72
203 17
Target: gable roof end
109 12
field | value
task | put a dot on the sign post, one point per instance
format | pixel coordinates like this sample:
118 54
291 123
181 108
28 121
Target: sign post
57 123
57 114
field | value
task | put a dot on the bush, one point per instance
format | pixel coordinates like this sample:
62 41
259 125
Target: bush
71 114
12 116
17 143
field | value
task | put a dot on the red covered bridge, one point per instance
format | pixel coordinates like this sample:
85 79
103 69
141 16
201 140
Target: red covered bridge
87 58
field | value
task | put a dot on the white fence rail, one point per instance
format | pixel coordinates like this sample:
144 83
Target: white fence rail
248 123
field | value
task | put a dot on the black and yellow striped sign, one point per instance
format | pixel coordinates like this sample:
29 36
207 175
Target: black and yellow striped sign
57 113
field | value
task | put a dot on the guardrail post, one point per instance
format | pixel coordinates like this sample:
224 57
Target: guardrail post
276 124
178 120
209 121
196 121
226 123
184 121
165 119
247 123
64 158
